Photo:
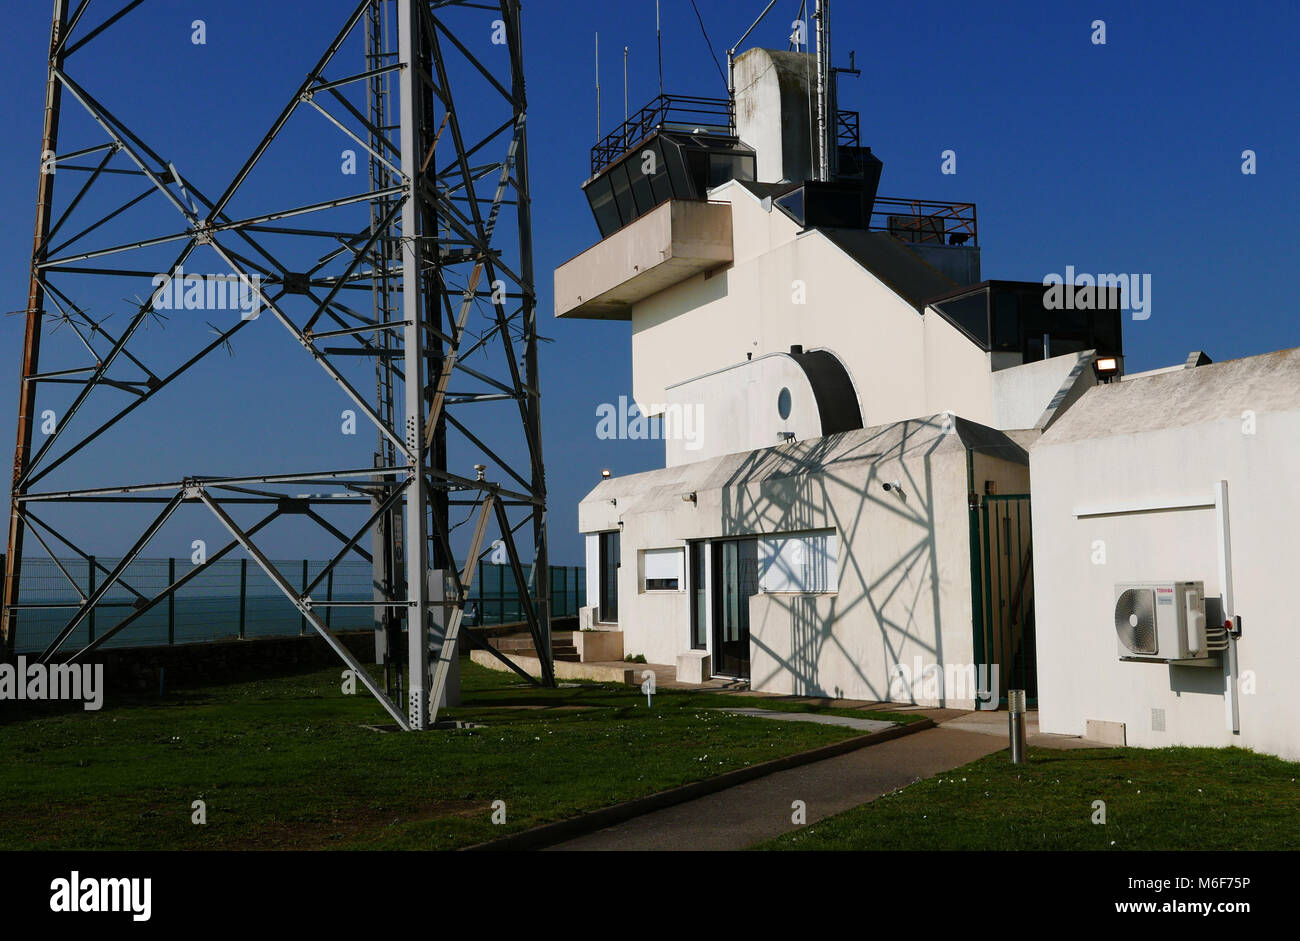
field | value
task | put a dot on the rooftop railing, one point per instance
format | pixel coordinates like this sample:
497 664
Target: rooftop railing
925 220
665 112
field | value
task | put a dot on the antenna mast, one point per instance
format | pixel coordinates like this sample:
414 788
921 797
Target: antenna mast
659 43
431 238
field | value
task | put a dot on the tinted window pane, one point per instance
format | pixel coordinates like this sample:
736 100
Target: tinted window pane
623 193
601 197
697 168
641 192
675 158
1006 321
971 314
699 612
660 185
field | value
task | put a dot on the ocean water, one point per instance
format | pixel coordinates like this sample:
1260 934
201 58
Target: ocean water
208 608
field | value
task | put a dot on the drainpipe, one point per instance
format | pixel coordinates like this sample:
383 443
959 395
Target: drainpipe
1229 610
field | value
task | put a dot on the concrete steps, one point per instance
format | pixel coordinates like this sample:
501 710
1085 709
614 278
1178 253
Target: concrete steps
562 647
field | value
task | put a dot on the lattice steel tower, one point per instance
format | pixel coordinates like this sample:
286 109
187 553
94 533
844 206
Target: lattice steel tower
440 241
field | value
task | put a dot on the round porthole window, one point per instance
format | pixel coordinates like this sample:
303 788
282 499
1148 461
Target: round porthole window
783 404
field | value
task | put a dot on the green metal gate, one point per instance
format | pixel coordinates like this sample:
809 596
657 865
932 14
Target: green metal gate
1001 541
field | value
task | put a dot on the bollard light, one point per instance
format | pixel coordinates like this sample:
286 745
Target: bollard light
1016 723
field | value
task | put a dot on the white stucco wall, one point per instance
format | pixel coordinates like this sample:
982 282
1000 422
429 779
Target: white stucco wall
956 372
735 409
712 321
1022 393
790 288
903 565
1078 464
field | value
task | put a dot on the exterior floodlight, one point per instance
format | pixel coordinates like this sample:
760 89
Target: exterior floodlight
604 475
1106 368
689 497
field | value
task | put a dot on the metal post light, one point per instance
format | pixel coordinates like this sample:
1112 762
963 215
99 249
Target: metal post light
1016 722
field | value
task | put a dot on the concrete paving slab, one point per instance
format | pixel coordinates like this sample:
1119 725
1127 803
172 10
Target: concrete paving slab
758 810
995 724
866 725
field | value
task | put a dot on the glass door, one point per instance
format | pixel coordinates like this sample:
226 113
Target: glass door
735 580
609 562
699 596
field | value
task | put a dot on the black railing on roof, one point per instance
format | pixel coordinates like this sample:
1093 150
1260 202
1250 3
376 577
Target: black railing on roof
665 112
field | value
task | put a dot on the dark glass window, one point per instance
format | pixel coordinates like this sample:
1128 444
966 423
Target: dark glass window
730 166
641 191
660 184
1006 321
792 203
1106 330
697 166
623 193
699 609
601 196
971 314
675 158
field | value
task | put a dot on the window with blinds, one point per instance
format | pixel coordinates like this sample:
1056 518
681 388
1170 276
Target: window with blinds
662 569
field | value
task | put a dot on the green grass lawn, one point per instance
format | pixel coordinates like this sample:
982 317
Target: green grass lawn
1163 799
285 763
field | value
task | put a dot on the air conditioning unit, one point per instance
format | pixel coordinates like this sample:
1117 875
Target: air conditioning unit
1161 622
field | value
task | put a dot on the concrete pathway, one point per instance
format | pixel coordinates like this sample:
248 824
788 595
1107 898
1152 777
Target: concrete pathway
758 810
866 725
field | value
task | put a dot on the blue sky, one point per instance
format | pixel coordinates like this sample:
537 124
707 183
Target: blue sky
1124 157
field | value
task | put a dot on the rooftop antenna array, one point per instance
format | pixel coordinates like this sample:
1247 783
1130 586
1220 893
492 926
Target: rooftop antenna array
440 231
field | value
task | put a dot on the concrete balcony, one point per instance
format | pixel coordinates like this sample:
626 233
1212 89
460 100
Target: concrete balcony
672 242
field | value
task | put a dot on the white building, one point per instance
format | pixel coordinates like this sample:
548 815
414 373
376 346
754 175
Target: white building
1129 487
843 506
852 418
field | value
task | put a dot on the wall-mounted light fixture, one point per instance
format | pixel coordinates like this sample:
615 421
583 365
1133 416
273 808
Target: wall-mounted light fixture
1106 368
689 497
